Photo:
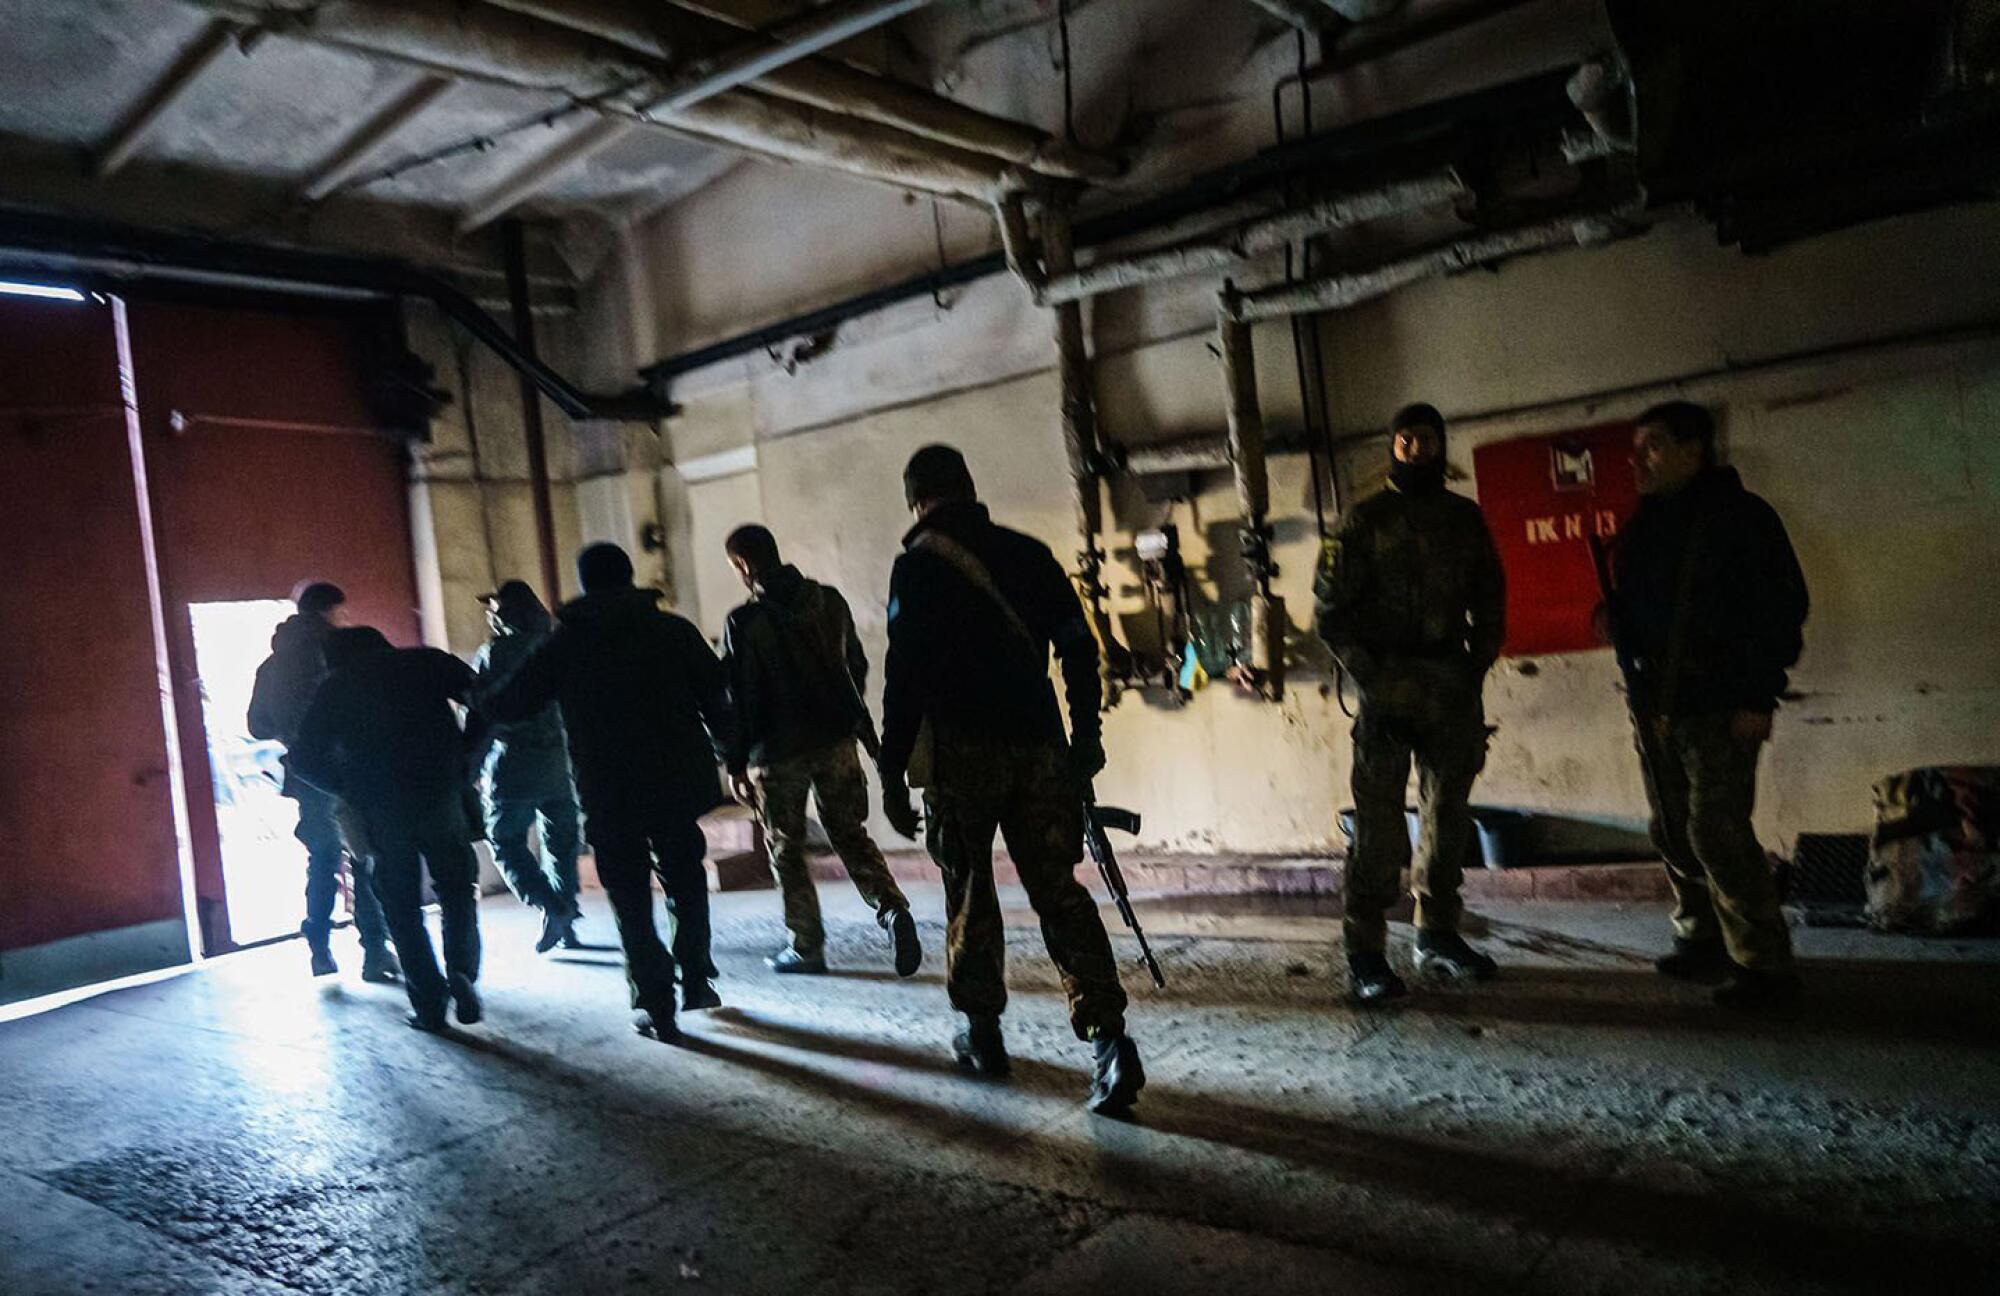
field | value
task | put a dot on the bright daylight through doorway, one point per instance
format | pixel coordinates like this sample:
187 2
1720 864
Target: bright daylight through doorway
263 865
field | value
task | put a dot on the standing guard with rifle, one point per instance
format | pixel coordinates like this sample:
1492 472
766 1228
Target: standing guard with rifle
968 714
796 670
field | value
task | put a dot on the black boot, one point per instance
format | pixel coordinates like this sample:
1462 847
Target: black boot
1371 980
909 950
981 1048
380 966
656 1024
699 996
1445 953
556 920
466 997
1116 1077
1703 962
1748 990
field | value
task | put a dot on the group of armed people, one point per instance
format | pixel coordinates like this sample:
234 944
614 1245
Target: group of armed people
1704 608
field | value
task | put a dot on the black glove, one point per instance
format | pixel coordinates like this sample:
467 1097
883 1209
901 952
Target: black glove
897 806
1086 757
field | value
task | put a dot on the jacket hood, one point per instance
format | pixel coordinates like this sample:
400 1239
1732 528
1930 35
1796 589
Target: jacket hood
345 647
610 607
956 520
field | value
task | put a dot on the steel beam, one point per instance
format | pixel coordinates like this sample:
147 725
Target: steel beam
207 49
368 140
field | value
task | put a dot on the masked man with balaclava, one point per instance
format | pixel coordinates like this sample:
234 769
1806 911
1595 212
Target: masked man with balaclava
284 689
1412 603
968 714
383 734
646 707
1707 613
526 775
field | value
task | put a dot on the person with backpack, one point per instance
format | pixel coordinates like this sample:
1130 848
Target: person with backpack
796 670
969 715
285 685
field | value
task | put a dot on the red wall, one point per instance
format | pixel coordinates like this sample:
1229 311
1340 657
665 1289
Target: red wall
264 472
86 818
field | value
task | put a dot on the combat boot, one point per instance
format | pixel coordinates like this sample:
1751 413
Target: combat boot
1748 990
789 961
699 996
1116 1076
981 1048
909 950
1703 962
1371 980
555 928
657 1024
466 997
380 966
1447 954
429 1018
322 961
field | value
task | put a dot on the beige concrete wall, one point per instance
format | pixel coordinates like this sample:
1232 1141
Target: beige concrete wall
1885 468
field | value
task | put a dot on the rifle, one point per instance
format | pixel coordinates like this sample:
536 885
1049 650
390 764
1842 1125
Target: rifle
1096 820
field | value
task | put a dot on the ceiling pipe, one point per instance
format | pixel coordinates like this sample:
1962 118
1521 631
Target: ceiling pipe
486 43
710 77
1339 291
820 29
1255 238
657 31
189 67
72 249
371 138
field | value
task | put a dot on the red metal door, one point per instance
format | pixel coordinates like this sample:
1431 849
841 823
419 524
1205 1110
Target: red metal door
87 836
265 471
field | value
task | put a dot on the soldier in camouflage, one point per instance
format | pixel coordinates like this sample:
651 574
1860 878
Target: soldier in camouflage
1411 601
969 715
527 776
796 670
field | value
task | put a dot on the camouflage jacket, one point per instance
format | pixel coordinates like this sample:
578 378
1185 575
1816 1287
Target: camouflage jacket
1411 578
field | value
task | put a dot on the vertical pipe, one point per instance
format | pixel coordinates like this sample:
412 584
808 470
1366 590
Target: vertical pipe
1079 428
1253 496
515 241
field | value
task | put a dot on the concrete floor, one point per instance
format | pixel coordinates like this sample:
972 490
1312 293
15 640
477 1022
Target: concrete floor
1576 1126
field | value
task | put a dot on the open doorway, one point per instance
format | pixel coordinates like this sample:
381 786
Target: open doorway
263 865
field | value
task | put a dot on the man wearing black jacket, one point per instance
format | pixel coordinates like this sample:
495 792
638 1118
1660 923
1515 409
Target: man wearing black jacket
284 689
647 710
796 670
1706 608
381 734
968 713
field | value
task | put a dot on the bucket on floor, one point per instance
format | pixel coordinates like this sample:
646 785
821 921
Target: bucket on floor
1499 839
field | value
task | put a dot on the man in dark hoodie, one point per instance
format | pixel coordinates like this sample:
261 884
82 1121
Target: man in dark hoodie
382 735
1411 600
284 689
527 776
1706 612
646 706
968 713
796 670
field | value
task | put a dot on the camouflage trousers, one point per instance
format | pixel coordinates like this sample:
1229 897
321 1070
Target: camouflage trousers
1445 733
1701 783
833 776
1024 792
